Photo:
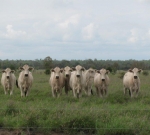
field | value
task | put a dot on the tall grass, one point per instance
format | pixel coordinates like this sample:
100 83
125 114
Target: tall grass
116 114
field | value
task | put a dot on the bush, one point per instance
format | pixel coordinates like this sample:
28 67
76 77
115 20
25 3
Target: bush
11 109
145 73
121 74
47 72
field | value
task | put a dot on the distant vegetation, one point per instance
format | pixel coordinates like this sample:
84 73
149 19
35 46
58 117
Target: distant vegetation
48 63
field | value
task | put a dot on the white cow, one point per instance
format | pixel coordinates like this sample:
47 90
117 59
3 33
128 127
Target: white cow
101 82
57 81
88 79
8 80
131 81
76 81
67 73
25 80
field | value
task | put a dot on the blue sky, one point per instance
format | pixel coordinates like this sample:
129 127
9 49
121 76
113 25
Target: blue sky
75 29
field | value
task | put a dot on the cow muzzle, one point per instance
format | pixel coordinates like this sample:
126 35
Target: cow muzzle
103 80
57 77
135 77
7 77
67 75
26 75
78 76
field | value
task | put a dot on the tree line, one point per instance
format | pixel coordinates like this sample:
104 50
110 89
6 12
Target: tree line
48 63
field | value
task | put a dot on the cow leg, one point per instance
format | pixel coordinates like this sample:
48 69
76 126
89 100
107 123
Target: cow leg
105 90
80 93
131 93
5 90
27 92
100 92
137 92
85 90
66 89
59 93
22 92
74 92
124 90
11 91
97 91
53 93
89 91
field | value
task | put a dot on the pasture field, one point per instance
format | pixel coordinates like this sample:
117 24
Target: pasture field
40 113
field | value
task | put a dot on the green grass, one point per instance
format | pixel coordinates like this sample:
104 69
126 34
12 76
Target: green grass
116 114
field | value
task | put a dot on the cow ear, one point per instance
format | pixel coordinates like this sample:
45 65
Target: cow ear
31 68
3 71
73 69
52 70
61 70
83 69
12 71
140 70
97 71
70 70
21 68
107 71
130 70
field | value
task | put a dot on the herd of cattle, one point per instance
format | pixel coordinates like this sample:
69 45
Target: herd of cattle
77 79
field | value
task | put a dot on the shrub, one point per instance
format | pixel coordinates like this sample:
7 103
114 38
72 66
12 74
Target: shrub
145 73
121 74
11 109
47 72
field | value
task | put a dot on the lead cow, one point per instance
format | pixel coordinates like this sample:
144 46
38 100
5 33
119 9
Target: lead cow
8 80
131 81
76 81
56 81
25 80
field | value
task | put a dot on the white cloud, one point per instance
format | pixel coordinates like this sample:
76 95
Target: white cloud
88 32
134 36
11 33
144 0
73 20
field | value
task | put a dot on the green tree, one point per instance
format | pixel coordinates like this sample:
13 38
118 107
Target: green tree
47 64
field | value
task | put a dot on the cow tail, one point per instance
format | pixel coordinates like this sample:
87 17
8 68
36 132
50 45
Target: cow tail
17 84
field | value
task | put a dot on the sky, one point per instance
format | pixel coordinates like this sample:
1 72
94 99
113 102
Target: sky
75 29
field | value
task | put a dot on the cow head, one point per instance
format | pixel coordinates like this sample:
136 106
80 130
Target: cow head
26 69
135 72
8 72
103 72
78 70
91 72
67 71
57 72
